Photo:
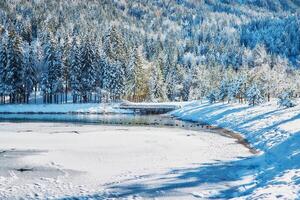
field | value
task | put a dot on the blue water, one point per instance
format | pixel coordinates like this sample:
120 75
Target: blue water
120 119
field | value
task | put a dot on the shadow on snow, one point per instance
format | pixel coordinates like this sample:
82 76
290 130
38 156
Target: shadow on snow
264 169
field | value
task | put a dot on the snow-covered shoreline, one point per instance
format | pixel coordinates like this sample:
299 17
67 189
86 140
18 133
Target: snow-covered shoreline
62 109
264 126
275 131
89 108
272 174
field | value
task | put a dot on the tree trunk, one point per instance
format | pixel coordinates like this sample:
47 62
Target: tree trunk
35 88
66 91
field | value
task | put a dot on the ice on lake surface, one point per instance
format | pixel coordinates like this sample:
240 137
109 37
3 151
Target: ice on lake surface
86 156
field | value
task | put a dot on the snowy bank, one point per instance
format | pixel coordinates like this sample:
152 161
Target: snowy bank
90 108
62 108
273 130
263 126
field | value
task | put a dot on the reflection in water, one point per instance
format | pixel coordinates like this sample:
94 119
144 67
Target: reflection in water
124 120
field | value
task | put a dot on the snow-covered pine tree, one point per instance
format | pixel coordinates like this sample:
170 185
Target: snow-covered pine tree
286 99
3 72
236 89
45 87
260 55
254 95
88 70
223 89
187 85
75 69
98 70
114 80
66 64
172 83
54 73
212 96
157 91
136 80
114 46
30 74
118 76
14 68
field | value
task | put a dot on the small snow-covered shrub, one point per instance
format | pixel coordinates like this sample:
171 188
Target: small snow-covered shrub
253 95
212 96
286 100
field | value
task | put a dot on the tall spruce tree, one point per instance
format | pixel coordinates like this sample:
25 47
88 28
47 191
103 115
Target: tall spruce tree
30 74
53 72
88 70
14 68
3 63
75 69
136 83
114 79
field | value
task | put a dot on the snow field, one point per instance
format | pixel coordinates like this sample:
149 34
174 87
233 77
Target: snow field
69 160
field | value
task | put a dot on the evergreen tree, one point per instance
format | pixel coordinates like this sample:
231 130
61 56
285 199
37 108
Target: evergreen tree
114 79
236 88
172 83
223 90
66 62
253 95
114 45
30 74
187 85
157 91
75 69
212 96
3 72
286 99
88 70
53 64
136 83
14 68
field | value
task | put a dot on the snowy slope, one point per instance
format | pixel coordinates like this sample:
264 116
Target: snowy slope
274 131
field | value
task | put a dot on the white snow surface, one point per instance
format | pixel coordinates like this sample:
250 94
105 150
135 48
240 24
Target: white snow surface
273 130
106 162
62 108
88 108
81 161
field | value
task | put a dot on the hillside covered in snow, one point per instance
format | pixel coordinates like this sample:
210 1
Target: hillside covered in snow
232 65
275 132
141 50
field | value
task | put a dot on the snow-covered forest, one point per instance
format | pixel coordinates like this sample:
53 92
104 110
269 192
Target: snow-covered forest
149 50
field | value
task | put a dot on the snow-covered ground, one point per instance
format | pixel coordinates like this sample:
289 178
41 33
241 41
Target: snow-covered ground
62 108
68 161
275 131
89 108
44 160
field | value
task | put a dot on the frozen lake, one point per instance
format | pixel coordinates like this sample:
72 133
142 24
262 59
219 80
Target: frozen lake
103 157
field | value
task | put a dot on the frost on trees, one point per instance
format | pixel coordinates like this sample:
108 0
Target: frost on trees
157 91
254 95
14 69
286 99
136 77
263 47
